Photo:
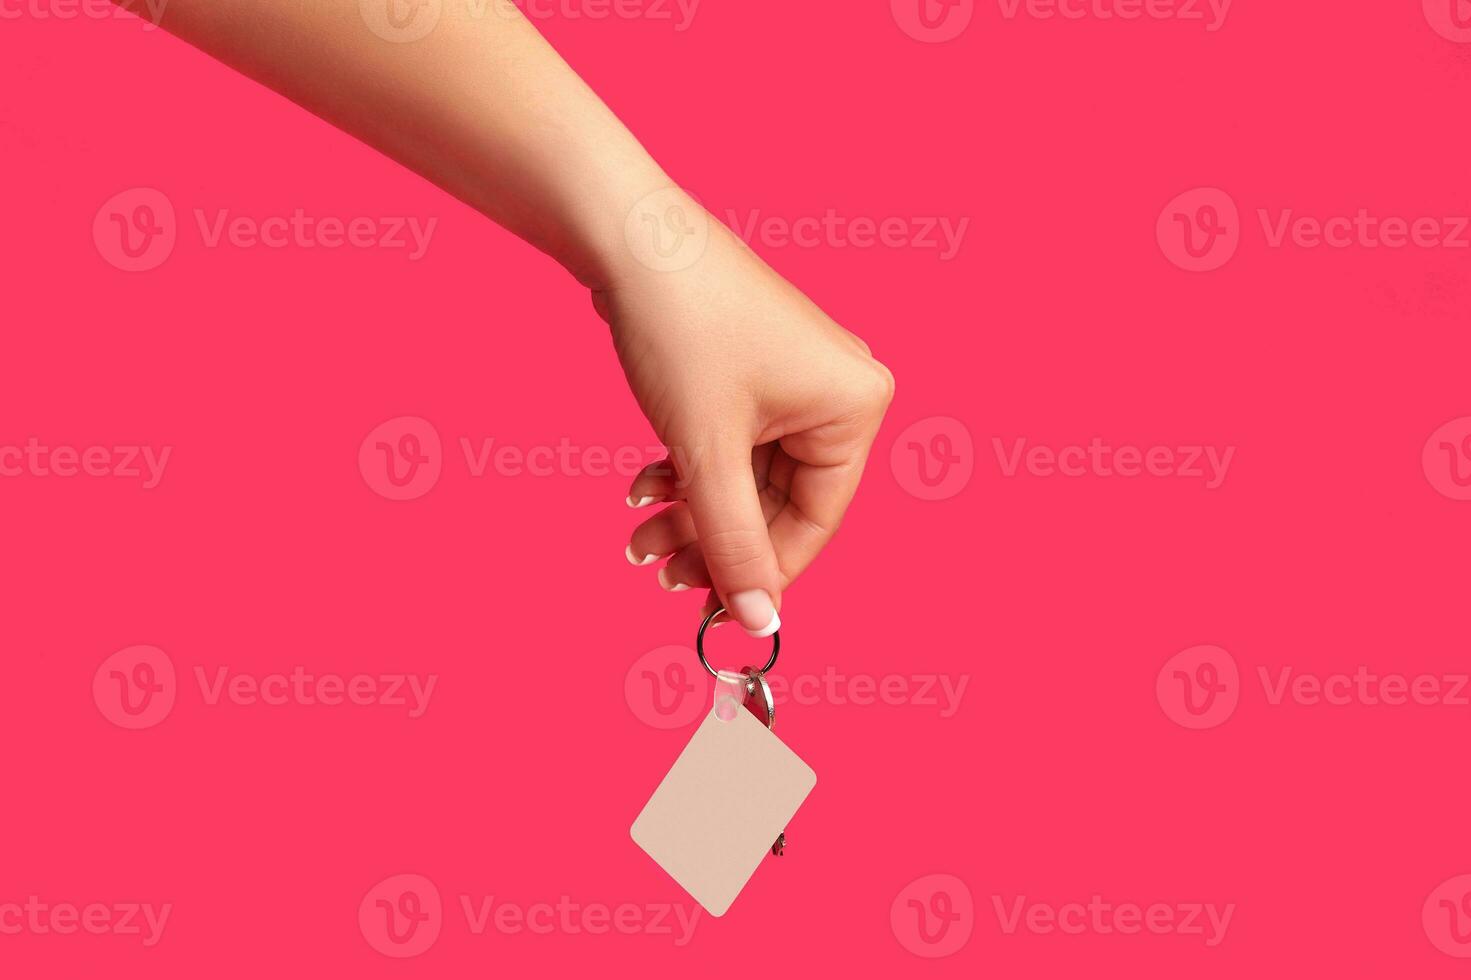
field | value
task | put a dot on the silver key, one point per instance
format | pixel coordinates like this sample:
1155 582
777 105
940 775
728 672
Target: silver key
761 704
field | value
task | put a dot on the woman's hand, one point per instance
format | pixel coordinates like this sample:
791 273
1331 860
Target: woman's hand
768 408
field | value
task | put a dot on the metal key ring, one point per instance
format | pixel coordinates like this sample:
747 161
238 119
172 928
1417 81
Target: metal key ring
700 645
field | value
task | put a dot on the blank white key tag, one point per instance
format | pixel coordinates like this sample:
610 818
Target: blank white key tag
728 796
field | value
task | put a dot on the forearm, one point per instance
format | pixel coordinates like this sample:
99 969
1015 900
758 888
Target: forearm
481 105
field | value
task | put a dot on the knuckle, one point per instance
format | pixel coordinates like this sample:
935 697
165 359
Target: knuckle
735 548
881 391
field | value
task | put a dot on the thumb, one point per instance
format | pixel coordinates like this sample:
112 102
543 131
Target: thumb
733 537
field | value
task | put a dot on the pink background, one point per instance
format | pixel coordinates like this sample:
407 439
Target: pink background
1062 775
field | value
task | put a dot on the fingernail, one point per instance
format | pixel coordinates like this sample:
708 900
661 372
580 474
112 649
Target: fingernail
754 611
645 560
640 502
668 584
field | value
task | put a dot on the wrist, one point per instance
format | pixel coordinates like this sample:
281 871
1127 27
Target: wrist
635 226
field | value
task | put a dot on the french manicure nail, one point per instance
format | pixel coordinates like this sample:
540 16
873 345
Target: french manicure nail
668 584
640 502
645 560
753 609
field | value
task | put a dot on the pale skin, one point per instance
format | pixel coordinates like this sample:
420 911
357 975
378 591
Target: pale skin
769 407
